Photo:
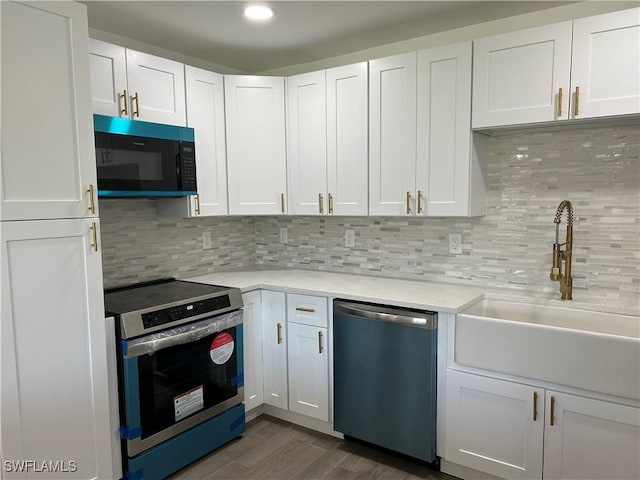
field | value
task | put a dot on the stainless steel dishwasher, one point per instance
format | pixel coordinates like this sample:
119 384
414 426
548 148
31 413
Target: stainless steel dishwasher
385 376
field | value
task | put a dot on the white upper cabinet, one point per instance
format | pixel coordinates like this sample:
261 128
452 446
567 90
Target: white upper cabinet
392 134
307 143
48 167
518 76
327 141
606 64
347 140
205 114
449 176
131 84
256 160
584 68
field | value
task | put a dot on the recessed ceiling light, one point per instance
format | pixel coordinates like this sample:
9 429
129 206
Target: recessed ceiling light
258 12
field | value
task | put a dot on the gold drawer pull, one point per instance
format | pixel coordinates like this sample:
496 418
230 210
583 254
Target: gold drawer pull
535 406
577 102
420 209
408 203
303 309
320 203
136 98
198 204
92 202
330 204
279 333
282 202
125 110
553 411
94 236
320 343
559 102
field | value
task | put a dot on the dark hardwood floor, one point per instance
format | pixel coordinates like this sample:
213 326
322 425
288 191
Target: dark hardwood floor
275 450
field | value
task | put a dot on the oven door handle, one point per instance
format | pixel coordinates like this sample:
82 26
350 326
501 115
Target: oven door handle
180 335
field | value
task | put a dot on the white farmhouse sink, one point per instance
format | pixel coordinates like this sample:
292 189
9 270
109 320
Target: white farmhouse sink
579 348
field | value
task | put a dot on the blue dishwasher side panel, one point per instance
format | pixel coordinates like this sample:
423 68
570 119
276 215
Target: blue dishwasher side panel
385 384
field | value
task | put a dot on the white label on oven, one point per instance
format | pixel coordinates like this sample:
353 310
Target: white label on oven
221 348
187 403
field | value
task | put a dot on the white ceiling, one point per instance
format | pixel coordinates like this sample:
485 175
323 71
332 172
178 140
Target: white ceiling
300 32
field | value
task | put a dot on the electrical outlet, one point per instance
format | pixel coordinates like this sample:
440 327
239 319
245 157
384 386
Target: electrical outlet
206 240
350 238
284 235
455 243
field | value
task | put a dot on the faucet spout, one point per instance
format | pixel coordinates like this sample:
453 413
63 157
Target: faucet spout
560 255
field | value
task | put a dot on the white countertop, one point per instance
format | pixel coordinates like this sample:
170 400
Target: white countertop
441 297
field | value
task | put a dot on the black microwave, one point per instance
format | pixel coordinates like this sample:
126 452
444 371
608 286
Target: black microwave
143 159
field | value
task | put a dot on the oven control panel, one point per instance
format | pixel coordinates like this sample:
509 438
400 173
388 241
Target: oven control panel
181 312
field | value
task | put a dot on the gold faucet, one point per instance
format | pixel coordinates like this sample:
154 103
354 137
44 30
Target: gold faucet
566 282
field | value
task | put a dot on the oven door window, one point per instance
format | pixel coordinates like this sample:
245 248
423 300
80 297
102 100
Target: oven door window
179 381
125 162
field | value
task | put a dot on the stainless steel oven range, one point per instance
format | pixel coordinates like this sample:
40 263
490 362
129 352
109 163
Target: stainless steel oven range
180 372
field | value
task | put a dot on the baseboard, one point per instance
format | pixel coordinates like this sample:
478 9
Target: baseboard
295 418
463 472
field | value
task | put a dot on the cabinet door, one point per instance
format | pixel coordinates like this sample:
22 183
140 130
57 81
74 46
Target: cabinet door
494 426
254 109
307 144
517 76
347 140
392 134
274 354
55 395
308 371
590 439
205 114
108 68
445 163
156 89
605 64
48 154
252 337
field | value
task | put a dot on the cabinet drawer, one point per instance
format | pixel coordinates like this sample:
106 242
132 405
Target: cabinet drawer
307 310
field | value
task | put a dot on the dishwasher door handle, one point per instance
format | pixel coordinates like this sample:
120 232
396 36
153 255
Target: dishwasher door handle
426 320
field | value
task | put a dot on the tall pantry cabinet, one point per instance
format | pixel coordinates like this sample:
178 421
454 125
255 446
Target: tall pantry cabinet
54 400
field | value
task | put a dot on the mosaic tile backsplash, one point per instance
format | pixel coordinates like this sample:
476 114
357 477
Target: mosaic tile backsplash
529 174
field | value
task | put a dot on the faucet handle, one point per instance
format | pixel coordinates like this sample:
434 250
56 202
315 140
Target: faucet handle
555 268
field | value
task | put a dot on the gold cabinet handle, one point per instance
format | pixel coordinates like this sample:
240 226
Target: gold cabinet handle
420 210
408 203
197 204
320 203
535 406
125 100
136 98
330 204
92 202
94 236
577 102
553 411
282 202
303 309
559 102
279 333
320 343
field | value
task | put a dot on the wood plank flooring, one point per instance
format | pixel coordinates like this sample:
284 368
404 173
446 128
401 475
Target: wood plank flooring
275 450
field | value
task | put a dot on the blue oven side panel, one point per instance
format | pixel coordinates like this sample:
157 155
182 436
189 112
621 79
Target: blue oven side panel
132 429
239 380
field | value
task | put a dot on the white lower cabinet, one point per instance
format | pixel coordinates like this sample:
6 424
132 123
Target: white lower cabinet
274 349
491 426
252 337
54 390
590 439
308 356
506 429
